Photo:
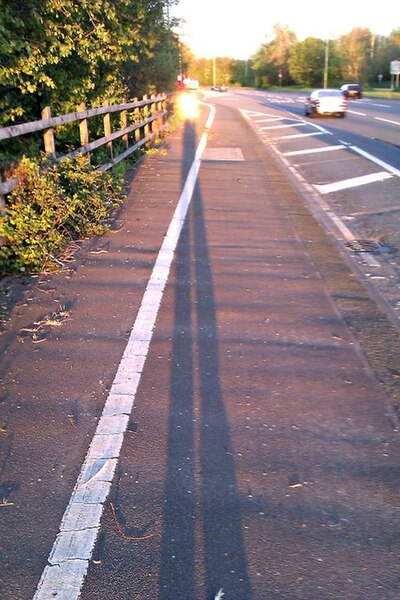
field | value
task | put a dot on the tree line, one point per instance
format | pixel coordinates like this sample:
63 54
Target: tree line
65 52
359 56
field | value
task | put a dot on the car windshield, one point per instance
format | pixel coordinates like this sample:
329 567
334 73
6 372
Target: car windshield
326 93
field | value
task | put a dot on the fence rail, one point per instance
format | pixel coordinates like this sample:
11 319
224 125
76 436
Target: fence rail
148 116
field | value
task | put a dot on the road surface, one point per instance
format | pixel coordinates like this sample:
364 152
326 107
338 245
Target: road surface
203 402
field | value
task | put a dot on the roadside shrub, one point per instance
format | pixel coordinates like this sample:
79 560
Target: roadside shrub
54 204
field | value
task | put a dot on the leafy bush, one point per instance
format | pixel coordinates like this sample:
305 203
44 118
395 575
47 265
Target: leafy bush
54 204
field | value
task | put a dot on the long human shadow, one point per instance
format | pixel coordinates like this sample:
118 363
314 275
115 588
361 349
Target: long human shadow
177 570
214 516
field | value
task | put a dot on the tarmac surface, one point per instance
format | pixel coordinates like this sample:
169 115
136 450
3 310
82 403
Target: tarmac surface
261 455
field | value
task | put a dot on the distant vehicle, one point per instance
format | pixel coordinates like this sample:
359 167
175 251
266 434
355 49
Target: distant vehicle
352 90
191 84
220 88
325 102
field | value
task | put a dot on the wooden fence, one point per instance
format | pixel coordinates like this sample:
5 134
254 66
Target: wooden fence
146 117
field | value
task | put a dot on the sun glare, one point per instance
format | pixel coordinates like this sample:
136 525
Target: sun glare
188 107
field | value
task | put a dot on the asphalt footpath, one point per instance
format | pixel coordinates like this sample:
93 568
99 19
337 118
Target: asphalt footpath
261 455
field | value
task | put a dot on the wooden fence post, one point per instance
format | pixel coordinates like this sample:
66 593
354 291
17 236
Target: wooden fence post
124 124
83 128
48 134
107 129
136 119
146 128
160 118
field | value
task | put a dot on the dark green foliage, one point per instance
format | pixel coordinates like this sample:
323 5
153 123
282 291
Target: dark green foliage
64 52
52 206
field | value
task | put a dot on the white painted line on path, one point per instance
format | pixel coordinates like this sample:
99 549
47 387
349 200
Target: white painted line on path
69 558
353 182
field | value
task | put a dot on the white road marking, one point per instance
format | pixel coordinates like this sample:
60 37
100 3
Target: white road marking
376 160
355 112
69 558
301 135
314 150
349 237
268 120
328 188
387 121
345 232
296 124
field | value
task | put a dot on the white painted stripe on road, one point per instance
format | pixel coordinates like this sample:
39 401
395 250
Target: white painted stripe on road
355 112
268 120
353 182
285 126
376 160
297 124
349 236
252 113
69 558
300 135
314 150
346 233
387 120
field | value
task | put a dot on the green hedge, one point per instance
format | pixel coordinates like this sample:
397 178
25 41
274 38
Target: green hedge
54 204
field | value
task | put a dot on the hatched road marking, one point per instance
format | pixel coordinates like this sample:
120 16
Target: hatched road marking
314 150
353 182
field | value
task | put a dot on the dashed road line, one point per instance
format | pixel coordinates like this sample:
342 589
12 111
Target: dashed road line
387 120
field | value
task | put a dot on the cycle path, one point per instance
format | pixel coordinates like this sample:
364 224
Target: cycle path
235 436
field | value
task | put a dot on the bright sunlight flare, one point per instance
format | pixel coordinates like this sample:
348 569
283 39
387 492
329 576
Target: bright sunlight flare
188 107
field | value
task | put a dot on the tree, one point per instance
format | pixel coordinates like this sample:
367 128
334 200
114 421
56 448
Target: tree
309 59
270 63
64 52
355 49
386 49
306 62
242 72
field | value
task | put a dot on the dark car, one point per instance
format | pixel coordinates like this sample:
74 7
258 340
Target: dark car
219 88
352 90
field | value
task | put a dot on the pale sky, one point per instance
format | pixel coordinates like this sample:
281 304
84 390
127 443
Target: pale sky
238 28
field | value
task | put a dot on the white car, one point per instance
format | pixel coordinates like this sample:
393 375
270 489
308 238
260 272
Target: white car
326 102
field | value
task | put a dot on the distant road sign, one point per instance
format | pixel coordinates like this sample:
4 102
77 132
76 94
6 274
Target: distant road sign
395 67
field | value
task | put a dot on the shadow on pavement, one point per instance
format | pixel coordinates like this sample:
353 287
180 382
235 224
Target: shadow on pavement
202 529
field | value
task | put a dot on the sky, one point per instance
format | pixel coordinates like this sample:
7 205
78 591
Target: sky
238 28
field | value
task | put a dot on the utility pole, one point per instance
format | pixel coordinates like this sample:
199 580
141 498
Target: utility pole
326 67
